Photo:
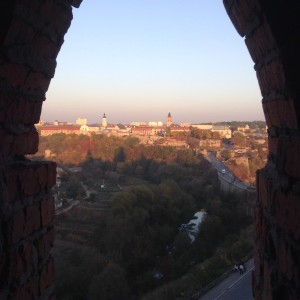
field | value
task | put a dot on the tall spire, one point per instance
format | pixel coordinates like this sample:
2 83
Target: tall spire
169 120
104 121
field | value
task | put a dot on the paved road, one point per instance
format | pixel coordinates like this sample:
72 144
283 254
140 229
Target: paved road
228 176
234 287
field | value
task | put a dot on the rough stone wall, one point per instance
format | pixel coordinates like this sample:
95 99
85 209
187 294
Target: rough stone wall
272 34
31 34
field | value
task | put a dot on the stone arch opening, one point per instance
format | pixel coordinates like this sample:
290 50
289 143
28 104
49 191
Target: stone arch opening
31 34
170 65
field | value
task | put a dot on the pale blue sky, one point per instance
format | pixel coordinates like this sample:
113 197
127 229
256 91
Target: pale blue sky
139 59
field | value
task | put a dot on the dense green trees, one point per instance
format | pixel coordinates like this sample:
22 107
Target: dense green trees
140 235
75 270
240 140
110 284
76 149
204 134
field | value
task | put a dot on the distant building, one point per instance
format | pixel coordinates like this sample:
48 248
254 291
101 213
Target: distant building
152 123
54 129
169 120
68 129
104 121
148 130
138 123
141 130
89 128
80 121
115 130
203 126
177 128
223 130
243 129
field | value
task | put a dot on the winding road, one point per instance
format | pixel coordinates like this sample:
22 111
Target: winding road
234 287
228 176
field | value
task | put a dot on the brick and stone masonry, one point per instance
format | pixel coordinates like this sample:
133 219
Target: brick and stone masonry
272 35
31 35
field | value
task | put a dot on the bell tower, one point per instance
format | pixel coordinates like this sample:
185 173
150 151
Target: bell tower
104 121
169 120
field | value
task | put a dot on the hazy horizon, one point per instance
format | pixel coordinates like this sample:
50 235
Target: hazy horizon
147 121
136 61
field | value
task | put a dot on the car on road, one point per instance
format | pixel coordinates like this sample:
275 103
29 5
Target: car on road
223 171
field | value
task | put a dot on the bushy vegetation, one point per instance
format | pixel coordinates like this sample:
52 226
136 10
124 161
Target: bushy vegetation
203 134
137 245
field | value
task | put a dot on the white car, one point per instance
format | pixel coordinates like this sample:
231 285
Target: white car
223 171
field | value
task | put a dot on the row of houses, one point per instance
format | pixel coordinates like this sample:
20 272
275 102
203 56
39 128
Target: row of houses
121 130
118 130
46 130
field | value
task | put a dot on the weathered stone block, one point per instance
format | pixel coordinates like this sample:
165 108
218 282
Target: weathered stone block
16 109
47 211
19 32
242 14
36 80
271 77
47 275
45 47
15 74
23 144
27 254
45 244
287 213
288 155
51 179
16 226
273 145
28 291
33 220
59 16
260 43
28 179
16 268
281 113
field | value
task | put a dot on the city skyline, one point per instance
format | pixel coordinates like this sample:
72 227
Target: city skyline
138 60
153 120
